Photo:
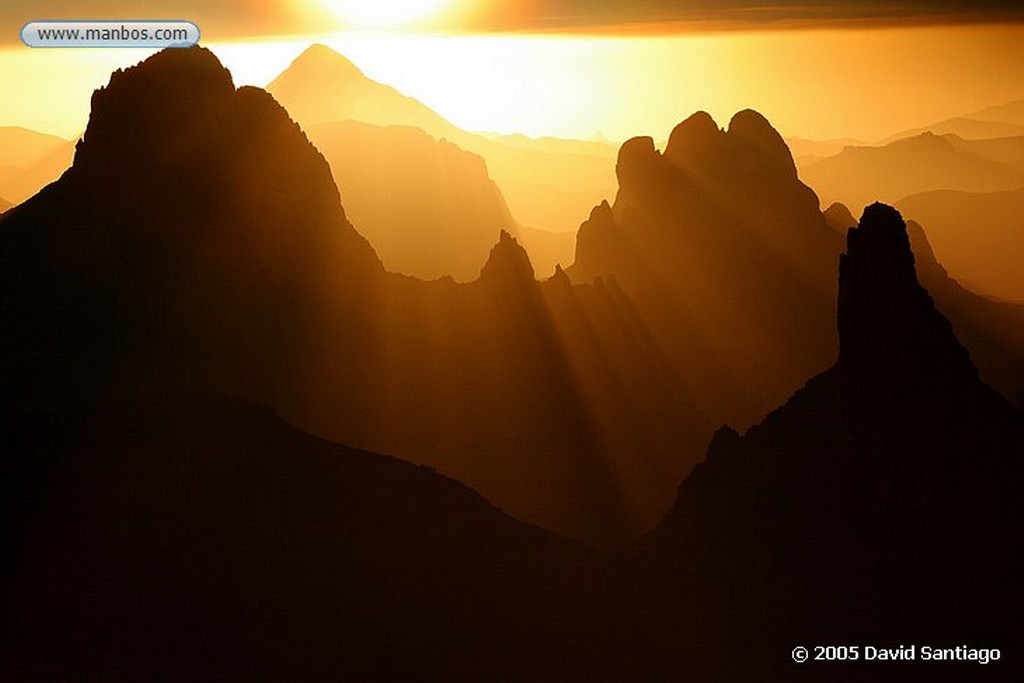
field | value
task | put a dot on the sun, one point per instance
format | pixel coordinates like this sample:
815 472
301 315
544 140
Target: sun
381 14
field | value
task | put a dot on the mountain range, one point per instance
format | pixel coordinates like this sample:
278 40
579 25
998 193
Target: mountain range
183 328
549 183
861 175
986 257
217 264
704 295
29 160
449 214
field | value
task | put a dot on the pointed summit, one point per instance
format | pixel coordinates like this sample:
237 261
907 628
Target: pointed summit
508 263
889 327
323 86
318 58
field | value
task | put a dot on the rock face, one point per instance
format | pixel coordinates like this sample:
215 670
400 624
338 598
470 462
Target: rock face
726 256
892 475
202 231
187 536
888 325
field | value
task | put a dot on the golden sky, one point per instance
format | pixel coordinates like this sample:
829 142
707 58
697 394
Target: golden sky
578 67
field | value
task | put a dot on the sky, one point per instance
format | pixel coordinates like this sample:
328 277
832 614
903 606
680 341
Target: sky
577 68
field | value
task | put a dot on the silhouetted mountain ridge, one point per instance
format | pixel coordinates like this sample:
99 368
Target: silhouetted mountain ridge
189 230
861 507
717 242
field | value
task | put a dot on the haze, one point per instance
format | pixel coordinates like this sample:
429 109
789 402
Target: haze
817 83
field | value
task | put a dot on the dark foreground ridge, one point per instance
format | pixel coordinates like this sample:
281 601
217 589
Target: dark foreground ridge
879 505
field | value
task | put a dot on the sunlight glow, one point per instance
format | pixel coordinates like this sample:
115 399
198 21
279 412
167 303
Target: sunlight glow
374 14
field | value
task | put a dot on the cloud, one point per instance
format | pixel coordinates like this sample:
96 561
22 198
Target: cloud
661 15
226 19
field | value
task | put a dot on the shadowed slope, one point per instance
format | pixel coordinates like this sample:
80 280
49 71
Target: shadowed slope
195 536
727 257
877 505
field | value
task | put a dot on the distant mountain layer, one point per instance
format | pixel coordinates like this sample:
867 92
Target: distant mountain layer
1004 120
861 175
29 160
979 237
428 208
548 183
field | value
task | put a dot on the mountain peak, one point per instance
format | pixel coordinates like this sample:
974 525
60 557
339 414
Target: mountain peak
140 103
755 130
890 331
692 137
326 61
508 262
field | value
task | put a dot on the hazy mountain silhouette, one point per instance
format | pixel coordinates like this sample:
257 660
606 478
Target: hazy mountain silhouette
1006 150
727 258
806 151
976 235
1010 112
4 204
548 183
997 121
964 127
868 508
428 208
860 175
29 160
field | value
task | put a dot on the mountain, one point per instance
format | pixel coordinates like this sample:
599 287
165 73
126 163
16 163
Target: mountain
195 535
725 255
806 152
1010 112
223 261
548 183
860 175
344 92
29 160
4 204
428 208
866 509
964 127
976 235
1006 150
1003 120
992 330
174 266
